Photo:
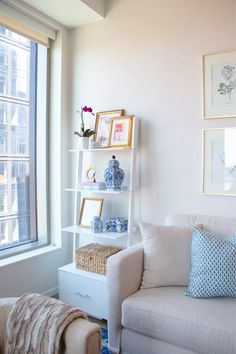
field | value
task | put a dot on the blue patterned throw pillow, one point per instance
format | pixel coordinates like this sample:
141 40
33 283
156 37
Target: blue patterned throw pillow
213 270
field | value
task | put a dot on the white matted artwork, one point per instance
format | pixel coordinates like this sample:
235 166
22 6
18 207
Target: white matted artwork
219 161
103 125
219 85
90 207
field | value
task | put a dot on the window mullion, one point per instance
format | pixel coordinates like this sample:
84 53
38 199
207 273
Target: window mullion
32 140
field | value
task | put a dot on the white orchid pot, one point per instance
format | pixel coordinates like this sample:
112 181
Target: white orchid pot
83 143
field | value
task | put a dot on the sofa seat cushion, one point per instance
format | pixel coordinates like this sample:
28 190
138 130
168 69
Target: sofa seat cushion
206 326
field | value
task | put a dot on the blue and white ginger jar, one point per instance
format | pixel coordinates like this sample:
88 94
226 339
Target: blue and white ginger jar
113 175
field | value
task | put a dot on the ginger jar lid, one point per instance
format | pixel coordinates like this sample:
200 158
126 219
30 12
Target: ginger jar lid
114 163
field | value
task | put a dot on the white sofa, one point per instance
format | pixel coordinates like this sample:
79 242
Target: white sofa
163 320
81 336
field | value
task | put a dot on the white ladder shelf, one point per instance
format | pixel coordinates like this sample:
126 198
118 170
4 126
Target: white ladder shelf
130 191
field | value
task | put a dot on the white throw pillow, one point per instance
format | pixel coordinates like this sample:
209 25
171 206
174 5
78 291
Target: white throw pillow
167 255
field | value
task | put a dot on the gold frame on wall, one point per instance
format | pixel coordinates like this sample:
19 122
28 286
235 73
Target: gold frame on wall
129 137
101 200
208 60
113 114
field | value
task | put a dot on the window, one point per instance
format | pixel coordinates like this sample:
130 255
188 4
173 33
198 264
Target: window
22 90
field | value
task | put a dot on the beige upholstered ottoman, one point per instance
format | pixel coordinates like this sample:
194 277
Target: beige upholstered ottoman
81 336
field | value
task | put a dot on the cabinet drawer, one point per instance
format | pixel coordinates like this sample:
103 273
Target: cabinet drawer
88 294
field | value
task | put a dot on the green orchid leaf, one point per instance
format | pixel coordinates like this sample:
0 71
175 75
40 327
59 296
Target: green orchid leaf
86 132
91 133
76 133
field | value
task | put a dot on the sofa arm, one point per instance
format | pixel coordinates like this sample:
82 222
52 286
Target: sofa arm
83 337
5 309
124 275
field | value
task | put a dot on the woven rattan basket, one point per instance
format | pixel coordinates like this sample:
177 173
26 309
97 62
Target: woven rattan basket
93 257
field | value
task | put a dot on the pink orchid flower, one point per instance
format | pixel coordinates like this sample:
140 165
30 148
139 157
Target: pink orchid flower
83 132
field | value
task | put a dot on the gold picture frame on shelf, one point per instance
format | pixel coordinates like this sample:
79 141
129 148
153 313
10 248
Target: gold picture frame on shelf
90 207
121 132
102 126
218 81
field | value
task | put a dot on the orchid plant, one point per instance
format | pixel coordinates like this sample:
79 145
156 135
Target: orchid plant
85 133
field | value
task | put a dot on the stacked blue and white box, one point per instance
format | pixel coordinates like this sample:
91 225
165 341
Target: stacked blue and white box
116 224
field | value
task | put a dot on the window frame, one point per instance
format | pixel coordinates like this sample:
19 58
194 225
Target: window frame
33 243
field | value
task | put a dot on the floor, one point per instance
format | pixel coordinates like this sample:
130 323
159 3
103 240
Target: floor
102 323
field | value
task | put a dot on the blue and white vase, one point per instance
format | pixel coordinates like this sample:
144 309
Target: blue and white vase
96 224
113 175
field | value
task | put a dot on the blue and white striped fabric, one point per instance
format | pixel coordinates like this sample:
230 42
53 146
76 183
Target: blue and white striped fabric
213 270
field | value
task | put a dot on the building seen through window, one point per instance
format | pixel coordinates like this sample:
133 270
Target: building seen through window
16 72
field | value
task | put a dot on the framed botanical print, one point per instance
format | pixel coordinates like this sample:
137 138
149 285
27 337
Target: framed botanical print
121 132
219 161
219 85
102 127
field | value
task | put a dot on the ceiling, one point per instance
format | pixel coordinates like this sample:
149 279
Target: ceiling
70 13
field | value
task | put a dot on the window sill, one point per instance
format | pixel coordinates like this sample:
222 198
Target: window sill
27 255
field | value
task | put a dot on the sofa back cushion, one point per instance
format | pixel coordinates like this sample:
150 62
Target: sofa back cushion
214 224
167 255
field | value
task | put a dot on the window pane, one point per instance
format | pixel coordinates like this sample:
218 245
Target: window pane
3 232
3 81
19 74
3 174
19 142
19 187
3 31
3 68
3 139
3 112
15 37
16 218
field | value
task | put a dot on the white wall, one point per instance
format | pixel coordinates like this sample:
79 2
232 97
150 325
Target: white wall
145 57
